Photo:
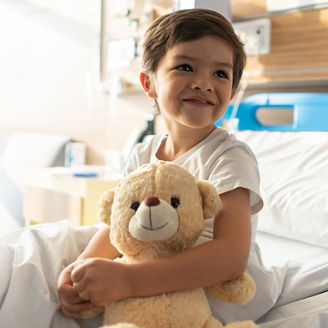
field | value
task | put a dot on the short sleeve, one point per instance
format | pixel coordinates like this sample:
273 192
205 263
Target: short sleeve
237 167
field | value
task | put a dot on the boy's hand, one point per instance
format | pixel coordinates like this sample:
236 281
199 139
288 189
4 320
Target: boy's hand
71 304
101 281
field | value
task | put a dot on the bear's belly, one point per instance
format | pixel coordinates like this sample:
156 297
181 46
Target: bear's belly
183 309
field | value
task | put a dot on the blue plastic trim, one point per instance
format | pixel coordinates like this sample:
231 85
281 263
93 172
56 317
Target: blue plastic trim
310 111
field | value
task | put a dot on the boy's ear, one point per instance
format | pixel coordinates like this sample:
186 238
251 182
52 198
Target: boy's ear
148 85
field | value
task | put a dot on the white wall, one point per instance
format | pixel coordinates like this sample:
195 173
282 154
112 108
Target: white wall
49 70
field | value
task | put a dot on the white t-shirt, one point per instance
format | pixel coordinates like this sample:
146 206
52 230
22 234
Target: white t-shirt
220 159
228 164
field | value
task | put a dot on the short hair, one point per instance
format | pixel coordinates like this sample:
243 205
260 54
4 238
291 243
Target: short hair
188 25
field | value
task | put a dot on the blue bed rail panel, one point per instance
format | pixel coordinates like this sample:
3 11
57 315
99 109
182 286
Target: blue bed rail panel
310 111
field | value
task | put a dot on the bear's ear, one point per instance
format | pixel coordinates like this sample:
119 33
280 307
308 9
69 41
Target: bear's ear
105 206
211 199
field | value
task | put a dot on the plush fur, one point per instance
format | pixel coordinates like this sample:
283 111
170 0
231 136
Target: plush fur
178 205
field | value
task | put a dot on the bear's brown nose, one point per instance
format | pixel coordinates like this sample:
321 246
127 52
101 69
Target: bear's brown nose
152 201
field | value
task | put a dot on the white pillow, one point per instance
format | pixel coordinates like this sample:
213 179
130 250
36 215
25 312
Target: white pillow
294 183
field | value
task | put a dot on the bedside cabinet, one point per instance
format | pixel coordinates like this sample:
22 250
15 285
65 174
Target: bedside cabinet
54 194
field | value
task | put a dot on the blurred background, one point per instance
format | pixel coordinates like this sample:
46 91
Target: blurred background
71 66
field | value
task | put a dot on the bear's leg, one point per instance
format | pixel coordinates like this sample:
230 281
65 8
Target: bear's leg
91 313
213 323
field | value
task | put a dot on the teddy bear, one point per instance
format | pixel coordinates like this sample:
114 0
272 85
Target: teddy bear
156 211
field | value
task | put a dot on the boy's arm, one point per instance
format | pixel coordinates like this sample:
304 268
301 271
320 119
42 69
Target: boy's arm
100 246
219 260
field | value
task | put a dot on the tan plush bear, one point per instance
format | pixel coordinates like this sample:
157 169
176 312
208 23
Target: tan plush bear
157 211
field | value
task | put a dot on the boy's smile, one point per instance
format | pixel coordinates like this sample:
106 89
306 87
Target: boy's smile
199 100
193 83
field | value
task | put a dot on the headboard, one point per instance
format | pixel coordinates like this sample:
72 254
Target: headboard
308 112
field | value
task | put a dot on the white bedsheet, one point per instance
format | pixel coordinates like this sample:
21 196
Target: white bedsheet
304 298
31 259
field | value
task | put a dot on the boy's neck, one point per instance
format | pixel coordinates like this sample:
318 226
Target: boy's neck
179 142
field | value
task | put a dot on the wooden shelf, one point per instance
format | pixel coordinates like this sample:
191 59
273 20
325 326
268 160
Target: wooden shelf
299 49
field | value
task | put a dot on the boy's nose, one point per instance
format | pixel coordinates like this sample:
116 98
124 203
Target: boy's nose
202 83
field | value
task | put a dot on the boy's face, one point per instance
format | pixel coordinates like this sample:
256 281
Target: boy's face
193 82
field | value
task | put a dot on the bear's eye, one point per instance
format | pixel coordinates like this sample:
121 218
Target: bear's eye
175 202
135 206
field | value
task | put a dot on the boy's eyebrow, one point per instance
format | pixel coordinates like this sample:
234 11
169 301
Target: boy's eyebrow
185 57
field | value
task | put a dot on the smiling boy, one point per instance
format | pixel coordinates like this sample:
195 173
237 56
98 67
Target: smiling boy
192 65
193 87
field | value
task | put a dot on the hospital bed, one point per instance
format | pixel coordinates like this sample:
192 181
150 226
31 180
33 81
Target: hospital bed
292 228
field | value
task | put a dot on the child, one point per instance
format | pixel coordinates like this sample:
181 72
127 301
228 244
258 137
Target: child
192 63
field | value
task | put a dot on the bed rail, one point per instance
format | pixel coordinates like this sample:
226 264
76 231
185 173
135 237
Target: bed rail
307 112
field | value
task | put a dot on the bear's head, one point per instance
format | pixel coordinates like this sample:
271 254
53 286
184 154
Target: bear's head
157 210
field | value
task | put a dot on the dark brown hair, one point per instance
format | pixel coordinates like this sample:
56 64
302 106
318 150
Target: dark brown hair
188 25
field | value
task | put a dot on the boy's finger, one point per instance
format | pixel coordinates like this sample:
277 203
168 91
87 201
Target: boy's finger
70 295
80 286
73 309
74 300
77 273
68 291
84 294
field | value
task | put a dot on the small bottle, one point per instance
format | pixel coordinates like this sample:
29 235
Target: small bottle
75 153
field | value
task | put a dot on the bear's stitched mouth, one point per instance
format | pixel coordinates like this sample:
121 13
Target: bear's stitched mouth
153 229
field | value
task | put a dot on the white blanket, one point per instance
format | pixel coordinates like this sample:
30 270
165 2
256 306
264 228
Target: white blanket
30 261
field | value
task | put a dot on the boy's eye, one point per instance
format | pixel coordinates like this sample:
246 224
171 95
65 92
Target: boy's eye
221 74
184 67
